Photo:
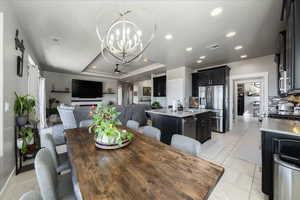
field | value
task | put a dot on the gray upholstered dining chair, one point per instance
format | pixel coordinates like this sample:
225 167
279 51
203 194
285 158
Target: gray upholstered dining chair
133 124
61 161
186 144
31 195
153 132
52 186
85 123
67 116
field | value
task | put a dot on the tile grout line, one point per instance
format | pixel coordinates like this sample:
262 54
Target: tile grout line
253 177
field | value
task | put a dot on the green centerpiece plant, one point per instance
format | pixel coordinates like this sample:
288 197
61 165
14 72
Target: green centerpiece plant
105 126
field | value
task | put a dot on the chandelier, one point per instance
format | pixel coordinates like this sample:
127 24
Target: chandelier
123 41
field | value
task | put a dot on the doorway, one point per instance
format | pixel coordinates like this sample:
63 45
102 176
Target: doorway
259 103
247 98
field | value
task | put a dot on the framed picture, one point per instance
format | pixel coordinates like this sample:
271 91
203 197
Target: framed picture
147 91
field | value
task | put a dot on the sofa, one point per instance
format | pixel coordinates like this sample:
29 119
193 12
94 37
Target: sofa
134 112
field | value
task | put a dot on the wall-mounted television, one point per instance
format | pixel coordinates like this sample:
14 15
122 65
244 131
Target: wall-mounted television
86 89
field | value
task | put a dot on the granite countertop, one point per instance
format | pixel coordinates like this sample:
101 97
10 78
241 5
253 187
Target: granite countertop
182 114
281 126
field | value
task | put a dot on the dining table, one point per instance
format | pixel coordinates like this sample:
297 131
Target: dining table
145 169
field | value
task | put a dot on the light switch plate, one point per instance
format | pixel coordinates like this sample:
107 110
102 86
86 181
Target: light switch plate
6 107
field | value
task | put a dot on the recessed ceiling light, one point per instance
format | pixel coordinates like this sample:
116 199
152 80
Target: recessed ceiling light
202 57
169 37
216 11
146 59
239 47
94 66
189 49
231 34
244 56
199 61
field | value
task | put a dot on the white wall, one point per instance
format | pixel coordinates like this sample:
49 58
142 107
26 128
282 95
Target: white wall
138 88
62 81
179 85
257 65
11 83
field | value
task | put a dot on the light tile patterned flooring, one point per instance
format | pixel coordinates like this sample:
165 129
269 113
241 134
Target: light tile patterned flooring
241 180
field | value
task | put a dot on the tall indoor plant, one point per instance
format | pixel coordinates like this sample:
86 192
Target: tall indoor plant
24 104
105 124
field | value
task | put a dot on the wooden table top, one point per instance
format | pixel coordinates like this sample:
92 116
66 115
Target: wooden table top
145 169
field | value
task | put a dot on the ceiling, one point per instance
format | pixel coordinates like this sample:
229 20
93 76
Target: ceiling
73 22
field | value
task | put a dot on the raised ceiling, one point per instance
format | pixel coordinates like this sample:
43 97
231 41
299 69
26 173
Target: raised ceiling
72 23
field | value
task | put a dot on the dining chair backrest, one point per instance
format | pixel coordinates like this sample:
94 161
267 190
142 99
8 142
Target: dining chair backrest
67 116
85 123
50 145
133 124
153 132
31 195
46 174
186 144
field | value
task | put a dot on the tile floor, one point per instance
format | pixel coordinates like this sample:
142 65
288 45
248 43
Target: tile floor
241 180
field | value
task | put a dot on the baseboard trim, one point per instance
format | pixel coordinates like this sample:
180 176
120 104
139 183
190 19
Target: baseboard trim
6 182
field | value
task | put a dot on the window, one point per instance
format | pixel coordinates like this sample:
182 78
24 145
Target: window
1 84
33 80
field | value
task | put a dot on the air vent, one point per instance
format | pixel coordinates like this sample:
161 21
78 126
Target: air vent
213 46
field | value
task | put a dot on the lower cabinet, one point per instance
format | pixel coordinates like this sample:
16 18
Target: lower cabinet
175 125
203 128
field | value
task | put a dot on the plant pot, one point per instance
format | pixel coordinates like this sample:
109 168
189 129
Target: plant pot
104 139
21 120
20 142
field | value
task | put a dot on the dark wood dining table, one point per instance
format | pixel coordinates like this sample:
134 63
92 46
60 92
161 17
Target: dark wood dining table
145 169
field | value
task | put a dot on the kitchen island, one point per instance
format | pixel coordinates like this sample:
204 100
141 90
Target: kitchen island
275 134
194 123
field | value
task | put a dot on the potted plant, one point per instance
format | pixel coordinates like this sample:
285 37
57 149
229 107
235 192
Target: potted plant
26 139
23 106
155 105
105 126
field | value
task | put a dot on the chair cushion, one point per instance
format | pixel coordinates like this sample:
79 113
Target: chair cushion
65 187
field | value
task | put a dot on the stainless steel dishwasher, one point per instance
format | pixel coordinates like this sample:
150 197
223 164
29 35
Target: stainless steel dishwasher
286 185
189 127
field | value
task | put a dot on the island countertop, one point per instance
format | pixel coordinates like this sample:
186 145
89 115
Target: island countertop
181 114
281 126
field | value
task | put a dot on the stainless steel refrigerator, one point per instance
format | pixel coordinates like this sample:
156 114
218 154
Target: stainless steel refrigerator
212 97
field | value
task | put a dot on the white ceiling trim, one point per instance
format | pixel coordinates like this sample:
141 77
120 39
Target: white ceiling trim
146 69
100 75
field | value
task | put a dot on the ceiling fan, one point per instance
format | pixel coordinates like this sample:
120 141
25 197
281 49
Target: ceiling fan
117 70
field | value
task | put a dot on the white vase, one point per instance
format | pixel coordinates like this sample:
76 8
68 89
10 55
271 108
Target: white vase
20 142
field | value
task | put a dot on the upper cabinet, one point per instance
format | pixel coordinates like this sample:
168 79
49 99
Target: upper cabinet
159 86
289 54
214 76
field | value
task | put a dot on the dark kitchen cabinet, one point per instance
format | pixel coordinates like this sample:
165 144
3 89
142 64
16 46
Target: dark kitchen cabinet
214 76
289 62
203 127
204 78
218 76
195 84
159 86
